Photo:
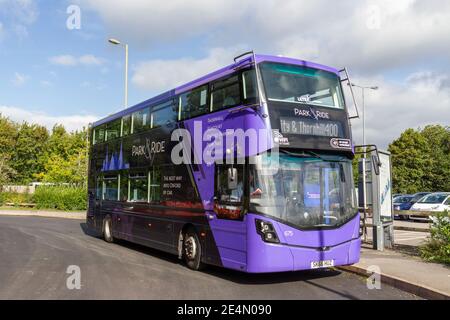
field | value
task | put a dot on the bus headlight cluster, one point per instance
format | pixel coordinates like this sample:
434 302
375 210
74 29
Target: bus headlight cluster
266 231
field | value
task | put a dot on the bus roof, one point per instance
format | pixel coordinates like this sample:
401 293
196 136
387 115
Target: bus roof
211 77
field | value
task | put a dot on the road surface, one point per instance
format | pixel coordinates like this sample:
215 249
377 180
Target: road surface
36 252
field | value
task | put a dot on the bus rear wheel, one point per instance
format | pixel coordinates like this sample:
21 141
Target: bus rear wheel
107 229
192 250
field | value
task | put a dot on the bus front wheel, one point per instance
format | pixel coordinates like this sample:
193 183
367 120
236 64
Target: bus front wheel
192 250
107 229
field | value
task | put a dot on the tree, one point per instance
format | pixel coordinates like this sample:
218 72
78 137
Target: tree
65 158
358 155
6 172
438 138
29 147
420 160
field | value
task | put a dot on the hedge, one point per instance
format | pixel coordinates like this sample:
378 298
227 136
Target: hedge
60 198
437 248
15 198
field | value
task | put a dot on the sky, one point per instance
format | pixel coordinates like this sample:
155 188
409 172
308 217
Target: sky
58 67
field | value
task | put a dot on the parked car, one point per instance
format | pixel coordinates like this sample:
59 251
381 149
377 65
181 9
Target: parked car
419 195
438 201
403 202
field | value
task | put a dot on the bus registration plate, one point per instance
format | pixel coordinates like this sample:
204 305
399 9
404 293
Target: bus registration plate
322 264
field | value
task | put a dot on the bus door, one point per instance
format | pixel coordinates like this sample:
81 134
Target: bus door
227 219
95 201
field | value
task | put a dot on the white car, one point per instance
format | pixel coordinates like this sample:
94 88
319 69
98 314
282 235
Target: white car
438 201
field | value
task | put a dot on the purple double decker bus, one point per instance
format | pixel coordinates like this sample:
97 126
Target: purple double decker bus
248 168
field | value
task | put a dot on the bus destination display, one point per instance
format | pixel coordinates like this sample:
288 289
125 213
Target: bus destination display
311 127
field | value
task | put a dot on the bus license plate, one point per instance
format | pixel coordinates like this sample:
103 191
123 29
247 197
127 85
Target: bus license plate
322 264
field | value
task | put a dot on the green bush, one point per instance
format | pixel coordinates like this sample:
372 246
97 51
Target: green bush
437 248
60 198
15 198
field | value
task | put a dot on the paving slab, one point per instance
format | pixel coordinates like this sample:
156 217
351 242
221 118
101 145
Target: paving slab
406 272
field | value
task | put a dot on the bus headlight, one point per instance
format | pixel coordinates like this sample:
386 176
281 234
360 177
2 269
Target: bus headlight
266 231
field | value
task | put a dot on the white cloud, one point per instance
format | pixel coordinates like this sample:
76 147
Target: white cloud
64 60
337 33
71 122
165 20
160 75
19 79
90 59
71 61
46 84
419 100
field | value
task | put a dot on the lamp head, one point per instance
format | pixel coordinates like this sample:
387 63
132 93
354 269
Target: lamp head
114 41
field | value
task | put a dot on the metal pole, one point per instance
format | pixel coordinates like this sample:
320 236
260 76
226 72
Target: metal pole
364 156
126 75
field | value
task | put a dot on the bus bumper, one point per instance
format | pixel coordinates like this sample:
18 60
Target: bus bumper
325 248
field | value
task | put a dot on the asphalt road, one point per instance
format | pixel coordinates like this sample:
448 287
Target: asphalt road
36 252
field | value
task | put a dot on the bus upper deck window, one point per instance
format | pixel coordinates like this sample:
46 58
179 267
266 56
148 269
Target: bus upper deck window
194 103
141 120
113 130
126 125
225 93
249 86
99 134
163 114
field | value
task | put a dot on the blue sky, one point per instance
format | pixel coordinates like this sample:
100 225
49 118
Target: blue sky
52 74
57 89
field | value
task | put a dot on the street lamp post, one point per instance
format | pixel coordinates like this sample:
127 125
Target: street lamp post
364 141
117 42
363 107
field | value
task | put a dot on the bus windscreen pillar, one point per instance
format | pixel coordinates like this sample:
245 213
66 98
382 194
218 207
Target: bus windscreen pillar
383 213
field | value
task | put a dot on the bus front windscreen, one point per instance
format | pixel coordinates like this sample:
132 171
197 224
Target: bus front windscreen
301 191
302 85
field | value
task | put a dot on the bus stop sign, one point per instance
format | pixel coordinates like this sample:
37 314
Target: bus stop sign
383 213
